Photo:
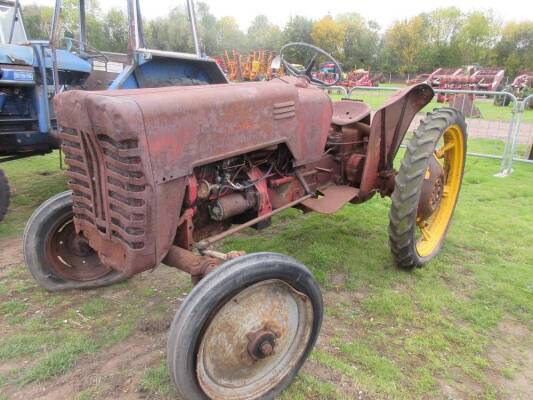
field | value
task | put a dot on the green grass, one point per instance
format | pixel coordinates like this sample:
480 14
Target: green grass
437 321
156 381
60 360
32 181
387 333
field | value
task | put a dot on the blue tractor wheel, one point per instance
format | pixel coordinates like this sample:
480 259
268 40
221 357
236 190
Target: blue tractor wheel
4 195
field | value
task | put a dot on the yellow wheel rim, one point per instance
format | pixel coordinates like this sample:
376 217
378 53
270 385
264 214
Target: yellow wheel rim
451 155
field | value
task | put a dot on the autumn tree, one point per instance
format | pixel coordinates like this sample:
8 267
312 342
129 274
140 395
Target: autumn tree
360 41
328 34
406 46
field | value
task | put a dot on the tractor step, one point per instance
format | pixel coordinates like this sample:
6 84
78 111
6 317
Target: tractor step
331 199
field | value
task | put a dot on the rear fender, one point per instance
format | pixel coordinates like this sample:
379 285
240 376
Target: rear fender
388 128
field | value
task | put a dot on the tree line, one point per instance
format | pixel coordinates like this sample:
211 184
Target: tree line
445 37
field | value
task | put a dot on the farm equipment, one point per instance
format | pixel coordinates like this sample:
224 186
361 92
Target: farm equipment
434 77
361 78
33 72
469 78
521 88
254 67
161 175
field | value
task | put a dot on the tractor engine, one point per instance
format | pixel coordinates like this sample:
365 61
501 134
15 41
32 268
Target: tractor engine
237 189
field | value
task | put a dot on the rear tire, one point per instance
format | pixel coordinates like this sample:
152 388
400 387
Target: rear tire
57 258
5 193
405 214
261 299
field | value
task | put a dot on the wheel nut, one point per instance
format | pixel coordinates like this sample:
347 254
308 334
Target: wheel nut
261 344
267 349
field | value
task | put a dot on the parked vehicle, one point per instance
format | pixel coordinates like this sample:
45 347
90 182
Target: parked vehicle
160 175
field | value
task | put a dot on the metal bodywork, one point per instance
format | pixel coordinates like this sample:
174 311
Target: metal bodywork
147 167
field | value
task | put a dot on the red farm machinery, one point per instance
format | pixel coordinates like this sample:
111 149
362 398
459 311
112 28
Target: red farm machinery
468 79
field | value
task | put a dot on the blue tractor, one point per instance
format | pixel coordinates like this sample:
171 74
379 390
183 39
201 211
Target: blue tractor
33 71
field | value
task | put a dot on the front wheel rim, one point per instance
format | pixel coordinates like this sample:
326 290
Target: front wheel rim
452 158
69 257
254 341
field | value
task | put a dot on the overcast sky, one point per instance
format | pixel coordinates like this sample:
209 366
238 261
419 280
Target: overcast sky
279 11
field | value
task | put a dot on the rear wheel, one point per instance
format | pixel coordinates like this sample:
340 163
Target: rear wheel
427 188
56 256
245 330
4 195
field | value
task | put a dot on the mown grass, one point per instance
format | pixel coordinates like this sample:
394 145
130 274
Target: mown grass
387 333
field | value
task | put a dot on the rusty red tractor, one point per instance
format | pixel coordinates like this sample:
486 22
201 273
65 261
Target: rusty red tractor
159 175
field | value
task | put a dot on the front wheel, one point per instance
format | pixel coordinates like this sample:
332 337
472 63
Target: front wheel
4 195
427 188
56 256
245 330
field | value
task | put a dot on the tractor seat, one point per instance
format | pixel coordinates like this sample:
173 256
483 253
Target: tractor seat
346 112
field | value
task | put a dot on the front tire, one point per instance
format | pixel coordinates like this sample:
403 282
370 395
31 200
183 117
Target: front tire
427 188
5 193
245 330
56 256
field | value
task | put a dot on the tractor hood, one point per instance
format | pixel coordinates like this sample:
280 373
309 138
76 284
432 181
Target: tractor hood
24 55
130 152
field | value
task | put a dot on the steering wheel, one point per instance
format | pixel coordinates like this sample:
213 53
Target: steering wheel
88 51
307 71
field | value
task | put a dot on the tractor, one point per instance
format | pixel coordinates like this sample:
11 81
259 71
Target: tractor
161 175
33 72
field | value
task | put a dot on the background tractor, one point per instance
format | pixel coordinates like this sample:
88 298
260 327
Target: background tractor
32 72
161 175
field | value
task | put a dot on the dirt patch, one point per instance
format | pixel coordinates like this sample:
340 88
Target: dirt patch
512 360
346 385
116 370
10 253
155 326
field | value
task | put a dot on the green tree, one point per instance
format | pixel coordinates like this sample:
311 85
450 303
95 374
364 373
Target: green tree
115 31
477 36
230 36
298 29
360 41
207 29
514 51
171 33
442 37
37 21
264 35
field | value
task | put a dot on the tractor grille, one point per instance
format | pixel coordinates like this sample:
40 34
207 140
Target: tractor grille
108 186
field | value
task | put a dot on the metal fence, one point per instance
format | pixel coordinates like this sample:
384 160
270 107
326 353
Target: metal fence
503 131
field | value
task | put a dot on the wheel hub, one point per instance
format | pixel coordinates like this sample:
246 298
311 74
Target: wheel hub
261 344
432 190
70 257
254 341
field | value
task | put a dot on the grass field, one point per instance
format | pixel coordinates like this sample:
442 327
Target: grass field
460 328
